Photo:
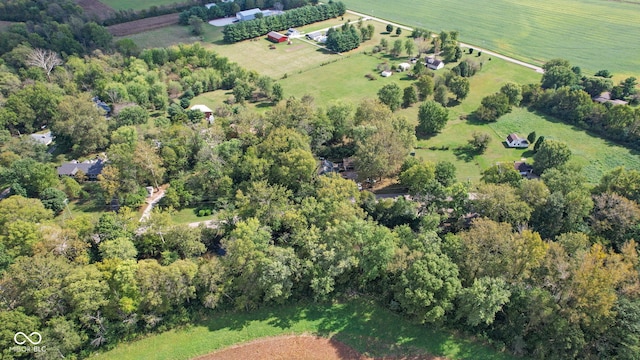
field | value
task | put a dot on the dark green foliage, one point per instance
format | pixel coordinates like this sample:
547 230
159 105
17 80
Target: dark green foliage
493 106
390 95
467 68
53 199
133 115
550 154
409 96
445 173
432 117
480 142
539 142
30 175
293 18
343 40
531 138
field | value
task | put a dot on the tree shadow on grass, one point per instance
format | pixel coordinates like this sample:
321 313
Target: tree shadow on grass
465 153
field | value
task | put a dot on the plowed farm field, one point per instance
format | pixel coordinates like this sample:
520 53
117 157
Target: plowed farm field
139 26
297 347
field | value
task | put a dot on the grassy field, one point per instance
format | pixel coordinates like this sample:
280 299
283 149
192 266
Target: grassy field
330 77
136 5
593 34
362 325
186 216
596 155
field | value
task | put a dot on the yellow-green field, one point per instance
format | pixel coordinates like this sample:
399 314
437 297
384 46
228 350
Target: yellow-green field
593 34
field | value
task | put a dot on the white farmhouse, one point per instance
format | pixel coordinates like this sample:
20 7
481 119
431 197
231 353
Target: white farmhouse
514 141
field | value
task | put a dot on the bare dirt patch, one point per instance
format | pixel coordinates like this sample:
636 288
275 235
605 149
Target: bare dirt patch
304 347
138 26
5 24
96 8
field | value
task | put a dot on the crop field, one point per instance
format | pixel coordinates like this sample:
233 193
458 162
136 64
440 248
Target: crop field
143 25
593 34
362 325
137 5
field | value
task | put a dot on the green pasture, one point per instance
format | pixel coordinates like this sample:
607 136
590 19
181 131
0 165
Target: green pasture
593 34
136 5
596 155
363 325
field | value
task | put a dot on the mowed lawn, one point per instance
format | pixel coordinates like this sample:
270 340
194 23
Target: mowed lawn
136 5
361 324
595 155
593 34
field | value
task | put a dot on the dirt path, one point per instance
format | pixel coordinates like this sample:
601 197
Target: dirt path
138 26
152 201
488 52
303 347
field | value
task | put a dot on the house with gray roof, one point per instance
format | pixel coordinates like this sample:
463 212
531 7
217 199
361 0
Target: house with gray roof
91 168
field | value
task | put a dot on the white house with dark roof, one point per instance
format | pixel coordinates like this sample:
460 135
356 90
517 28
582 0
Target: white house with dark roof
434 64
515 141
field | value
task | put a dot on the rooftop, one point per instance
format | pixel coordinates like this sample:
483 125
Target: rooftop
89 167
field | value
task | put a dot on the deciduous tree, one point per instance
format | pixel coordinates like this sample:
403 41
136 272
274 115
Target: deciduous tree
432 117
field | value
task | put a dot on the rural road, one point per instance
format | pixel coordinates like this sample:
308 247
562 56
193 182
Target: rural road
488 52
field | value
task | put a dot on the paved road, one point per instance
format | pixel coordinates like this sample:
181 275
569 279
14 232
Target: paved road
488 52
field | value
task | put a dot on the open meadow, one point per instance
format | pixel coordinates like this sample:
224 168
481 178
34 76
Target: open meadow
593 34
362 325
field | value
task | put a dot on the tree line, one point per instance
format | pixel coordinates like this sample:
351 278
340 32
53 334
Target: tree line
565 93
293 18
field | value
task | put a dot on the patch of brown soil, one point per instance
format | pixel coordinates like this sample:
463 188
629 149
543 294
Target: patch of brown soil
96 9
138 26
299 347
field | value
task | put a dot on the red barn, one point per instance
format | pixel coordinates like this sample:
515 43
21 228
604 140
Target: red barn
276 37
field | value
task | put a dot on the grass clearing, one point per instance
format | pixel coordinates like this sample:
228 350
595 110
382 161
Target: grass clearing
593 34
186 216
363 325
136 5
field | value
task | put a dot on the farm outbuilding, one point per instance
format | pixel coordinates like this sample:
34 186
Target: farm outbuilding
386 73
248 14
276 37
208 113
514 141
404 66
